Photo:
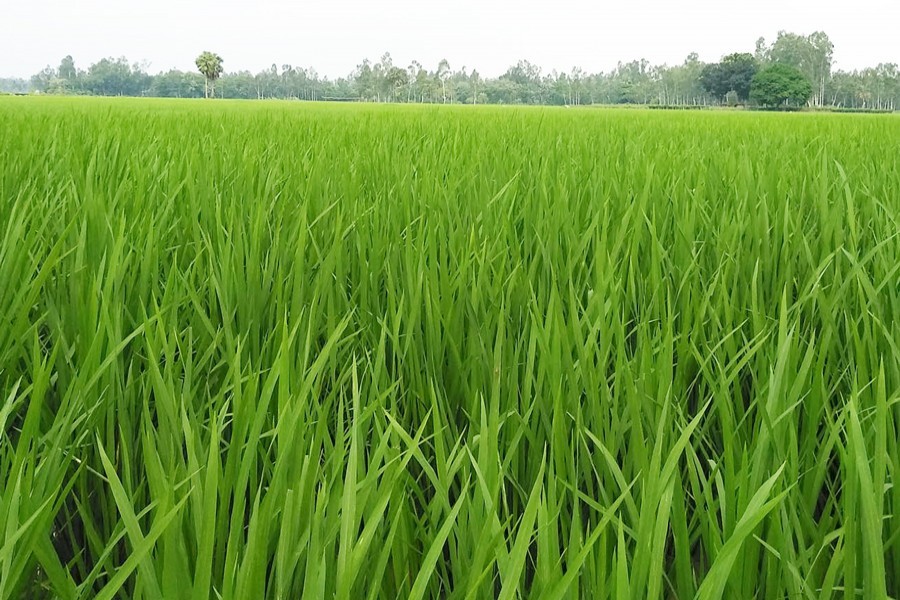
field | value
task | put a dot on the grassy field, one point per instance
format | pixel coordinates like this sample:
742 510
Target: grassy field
283 350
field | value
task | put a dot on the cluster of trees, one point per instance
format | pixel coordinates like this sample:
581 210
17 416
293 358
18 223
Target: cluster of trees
14 85
793 69
740 78
797 70
107 77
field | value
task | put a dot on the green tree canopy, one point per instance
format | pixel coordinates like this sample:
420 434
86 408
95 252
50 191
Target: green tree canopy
780 85
210 66
812 55
67 68
735 73
693 83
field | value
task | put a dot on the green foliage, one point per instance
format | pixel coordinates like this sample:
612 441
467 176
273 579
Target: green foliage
780 86
210 66
689 84
13 85
733 74
109 77
437 352
812 55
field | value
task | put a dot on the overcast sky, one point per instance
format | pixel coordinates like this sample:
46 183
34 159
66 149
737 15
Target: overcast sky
335 35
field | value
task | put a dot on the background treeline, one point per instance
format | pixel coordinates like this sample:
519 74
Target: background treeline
692 83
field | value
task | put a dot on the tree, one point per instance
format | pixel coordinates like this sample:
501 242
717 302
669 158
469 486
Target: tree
475 78
762 51
528 83
443 73
116 77
812 55
735 73
411 72
67 81
364 80
396 78
425 85
176 84
13 85
43 80
384 83
680 85
780 85
637 82
67 69
210 66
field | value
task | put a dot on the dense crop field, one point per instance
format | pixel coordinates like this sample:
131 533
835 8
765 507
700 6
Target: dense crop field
272 350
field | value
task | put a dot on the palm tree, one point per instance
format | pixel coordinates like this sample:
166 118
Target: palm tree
210 66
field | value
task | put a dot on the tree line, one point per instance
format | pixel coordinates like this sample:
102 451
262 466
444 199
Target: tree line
793 69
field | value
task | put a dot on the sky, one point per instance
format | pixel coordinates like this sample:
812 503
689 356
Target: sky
335 35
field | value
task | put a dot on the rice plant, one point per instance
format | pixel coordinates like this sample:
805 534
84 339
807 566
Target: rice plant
277 350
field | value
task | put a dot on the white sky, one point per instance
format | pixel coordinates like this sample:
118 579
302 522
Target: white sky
335 35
